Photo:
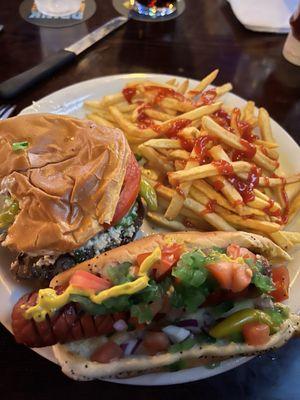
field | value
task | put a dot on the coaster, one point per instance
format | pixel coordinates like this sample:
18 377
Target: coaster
124 8
30 13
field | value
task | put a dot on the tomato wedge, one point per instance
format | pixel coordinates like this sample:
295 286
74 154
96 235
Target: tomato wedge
256 334
130 190
87 281
231 275
235 251
222 272
155 342
281 280
109 351
169 256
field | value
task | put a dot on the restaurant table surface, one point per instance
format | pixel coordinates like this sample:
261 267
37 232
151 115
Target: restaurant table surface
206 36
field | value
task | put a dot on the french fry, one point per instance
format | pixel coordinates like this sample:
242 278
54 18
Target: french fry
180 154
182 88
150 173
163 143
205 171
101 112
177 201
207 189
229 191
214 219
294 237
194 114
155 159
176 105
159 219
100 120
124 107
186 214
113 99
172 82
248 113
281 239
158 115
264 125
266 144
250 223
235 116
129 128
294 206
202 85
232 140
221 90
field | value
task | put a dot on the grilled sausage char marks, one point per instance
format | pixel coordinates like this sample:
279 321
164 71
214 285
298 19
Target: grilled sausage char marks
68 324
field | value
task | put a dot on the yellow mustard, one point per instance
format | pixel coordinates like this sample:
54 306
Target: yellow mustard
48 302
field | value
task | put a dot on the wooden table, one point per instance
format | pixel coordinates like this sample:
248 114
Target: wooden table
206 36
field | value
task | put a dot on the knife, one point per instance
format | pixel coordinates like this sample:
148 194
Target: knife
19 83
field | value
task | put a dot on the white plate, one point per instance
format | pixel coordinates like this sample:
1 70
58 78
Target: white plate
69 101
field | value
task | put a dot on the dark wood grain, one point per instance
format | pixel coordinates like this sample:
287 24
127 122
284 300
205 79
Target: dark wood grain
206 36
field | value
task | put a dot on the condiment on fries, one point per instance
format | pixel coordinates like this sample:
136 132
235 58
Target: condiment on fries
210 164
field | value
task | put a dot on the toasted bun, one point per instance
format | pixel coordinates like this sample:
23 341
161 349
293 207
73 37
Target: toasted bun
67 182
191 240
74 357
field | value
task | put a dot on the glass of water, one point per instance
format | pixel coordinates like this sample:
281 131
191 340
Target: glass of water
154 8
58 8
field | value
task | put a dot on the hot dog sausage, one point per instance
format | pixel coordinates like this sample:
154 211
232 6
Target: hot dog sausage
68 324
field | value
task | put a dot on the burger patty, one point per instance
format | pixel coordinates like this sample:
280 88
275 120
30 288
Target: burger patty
46 267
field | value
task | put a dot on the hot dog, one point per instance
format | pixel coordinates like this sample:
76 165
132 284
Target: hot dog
171 290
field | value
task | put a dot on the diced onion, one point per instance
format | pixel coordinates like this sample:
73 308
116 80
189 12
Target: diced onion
120 325
176 334
130 346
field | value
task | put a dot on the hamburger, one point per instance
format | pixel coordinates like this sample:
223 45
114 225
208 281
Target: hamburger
68 190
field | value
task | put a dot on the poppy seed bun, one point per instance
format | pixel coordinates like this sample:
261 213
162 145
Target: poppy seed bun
67 181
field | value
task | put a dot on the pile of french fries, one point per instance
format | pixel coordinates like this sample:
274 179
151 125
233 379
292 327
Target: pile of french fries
190 195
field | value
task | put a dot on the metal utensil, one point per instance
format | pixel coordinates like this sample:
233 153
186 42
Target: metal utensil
6 110
18 84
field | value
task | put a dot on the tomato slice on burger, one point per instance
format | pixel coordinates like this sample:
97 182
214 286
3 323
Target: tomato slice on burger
130 190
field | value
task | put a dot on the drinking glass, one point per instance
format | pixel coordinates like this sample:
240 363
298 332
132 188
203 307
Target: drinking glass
154 8
58 8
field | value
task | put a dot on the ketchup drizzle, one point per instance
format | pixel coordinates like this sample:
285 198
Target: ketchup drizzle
246 188
209 207
162 92
128 93
222 118
201 149
172 129
223 167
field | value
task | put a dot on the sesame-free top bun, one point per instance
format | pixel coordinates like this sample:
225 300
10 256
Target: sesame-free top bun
67 181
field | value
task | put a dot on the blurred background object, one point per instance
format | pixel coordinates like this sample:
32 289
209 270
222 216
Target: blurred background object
291 49
150 10
264 15
58 8
154 8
